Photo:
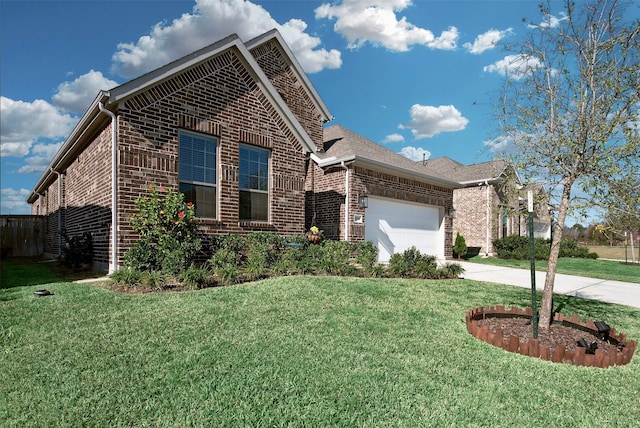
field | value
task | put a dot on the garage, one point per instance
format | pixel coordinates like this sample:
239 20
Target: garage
395 226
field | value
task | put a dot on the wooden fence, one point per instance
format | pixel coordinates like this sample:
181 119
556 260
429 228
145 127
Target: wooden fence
21 235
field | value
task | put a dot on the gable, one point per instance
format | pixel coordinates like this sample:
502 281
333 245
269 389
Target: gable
156 85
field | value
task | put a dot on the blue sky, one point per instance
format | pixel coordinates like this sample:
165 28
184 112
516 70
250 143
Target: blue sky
419 77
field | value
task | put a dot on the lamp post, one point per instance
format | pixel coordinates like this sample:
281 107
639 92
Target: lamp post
532 257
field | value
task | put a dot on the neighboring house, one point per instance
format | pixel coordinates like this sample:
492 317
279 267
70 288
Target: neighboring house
238 128
490 202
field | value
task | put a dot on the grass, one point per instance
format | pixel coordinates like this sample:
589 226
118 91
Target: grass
603 269
614 252
293 351
16 272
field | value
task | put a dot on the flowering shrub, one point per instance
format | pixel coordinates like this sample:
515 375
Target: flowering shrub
168 233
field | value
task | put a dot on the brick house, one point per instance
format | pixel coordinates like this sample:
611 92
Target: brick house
489 202
238 128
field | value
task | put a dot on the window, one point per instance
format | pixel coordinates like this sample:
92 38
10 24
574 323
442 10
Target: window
197 173
254 184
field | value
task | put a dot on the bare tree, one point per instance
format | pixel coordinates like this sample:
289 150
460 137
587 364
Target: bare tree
570 107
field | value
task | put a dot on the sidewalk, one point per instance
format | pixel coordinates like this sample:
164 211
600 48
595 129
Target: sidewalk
621 293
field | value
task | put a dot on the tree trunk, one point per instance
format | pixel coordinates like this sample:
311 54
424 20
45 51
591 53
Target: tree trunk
546 305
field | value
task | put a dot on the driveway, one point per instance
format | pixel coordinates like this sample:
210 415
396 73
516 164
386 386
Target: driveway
621 293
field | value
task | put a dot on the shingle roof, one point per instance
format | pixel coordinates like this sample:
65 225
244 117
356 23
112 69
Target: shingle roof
341 144
465 174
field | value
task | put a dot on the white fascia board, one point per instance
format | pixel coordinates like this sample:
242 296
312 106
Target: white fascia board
74 138
479 181
331 161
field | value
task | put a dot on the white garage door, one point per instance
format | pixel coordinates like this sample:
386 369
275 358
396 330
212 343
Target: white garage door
394 226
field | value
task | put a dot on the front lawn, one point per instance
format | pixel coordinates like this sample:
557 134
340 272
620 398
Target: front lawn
293 351
603 269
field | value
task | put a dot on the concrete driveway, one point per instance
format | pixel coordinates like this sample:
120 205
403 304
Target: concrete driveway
621 293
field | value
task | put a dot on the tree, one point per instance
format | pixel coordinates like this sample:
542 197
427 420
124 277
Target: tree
460 246
571 108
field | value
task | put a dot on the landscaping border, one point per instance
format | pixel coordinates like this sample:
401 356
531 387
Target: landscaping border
532 348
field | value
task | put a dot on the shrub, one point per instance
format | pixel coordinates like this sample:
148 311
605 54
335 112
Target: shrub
168 235
77 252
127 276
195 277
460 246
366 255
570 248
517 247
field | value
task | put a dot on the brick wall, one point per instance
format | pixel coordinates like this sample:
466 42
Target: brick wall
88 195
282 76
471 208
218 98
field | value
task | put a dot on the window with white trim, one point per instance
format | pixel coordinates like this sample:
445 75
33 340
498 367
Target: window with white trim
254 183
197 173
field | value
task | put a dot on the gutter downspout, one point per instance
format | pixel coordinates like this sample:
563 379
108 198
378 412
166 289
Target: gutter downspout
346 204
486 183
59 210
114 187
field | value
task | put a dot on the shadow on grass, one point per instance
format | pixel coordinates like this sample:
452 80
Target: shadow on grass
23 272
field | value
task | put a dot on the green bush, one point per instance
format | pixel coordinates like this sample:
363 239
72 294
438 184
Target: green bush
77 251
169 240
196 277
412 263
366 255
517 247
460 246
127 276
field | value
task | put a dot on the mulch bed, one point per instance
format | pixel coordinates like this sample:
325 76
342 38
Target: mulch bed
555 335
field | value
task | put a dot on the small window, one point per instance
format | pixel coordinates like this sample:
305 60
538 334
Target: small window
197 173
254 184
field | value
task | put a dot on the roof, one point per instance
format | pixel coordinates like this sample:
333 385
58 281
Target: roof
93 119
489 171
344 146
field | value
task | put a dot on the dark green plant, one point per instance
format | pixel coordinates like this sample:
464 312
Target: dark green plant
168 234
460 246
366 254
77 251
154 280
127 276
196 277
453 270
225 256
517 247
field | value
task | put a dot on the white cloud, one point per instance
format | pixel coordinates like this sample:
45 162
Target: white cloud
448 40
499 144
393 138
550 21
212 20
486 41
514 66
13 201
427 121
40 159
376 22
415 153
22 123
77 95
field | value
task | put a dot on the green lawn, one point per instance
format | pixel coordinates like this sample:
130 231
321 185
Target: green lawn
293 351
603 269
